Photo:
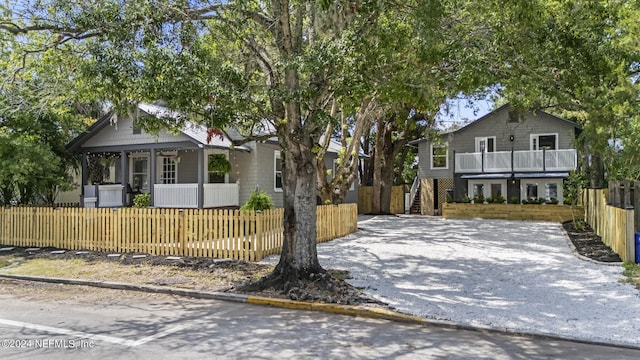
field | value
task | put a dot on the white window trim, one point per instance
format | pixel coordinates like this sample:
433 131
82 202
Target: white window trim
540 183
276 156
159 176
208 152
486 187
446 156
132 156
537 136
486 139
161 170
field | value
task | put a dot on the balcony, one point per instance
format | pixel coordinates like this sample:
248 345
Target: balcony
511 161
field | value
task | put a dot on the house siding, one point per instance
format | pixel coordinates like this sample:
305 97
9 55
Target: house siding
424 161
122 134
265 171
246 170
498 125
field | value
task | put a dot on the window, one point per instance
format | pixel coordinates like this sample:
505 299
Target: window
169 170
532 191
140 174
551 191
496 190
277 171
486 144
217 168
439 156
136 129
544 141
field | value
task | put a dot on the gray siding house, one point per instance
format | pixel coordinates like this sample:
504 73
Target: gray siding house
174 168
503 153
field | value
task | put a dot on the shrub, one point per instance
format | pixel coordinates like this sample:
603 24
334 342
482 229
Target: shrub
259 200
515 200
499 199
142 200
489 200
478 199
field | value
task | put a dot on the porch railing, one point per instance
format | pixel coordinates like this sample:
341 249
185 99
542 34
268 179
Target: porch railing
219 195
175 195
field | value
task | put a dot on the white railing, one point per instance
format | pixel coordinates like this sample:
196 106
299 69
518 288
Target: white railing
414 190
499 161
110 195
175 195
561 160
528 160
469 162
218 195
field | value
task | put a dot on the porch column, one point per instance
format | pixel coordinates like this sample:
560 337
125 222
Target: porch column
152 176
84 175
123 176
200 176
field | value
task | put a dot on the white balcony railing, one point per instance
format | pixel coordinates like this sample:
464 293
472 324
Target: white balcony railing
530 160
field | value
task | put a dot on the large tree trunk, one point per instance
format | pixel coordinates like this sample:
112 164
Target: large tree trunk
299 258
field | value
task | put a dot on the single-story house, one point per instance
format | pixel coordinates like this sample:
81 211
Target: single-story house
179 170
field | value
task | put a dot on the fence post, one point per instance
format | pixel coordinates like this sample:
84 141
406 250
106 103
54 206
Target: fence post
631 241
259 239
182 232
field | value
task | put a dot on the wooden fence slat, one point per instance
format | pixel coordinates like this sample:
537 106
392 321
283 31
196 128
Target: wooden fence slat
219 233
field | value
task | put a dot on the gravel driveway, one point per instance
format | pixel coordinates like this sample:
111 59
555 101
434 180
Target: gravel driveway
520 276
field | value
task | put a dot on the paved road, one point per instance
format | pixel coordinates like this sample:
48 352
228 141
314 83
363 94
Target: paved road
61 322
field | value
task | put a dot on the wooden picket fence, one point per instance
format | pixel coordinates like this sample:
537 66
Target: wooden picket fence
615 225
233 234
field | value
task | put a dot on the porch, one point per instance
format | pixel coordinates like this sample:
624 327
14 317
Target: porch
510 161
165 195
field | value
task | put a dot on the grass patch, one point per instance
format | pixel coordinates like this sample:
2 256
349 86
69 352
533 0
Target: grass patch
632 272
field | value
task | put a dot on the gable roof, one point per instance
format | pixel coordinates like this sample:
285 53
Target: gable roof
489 115
197 133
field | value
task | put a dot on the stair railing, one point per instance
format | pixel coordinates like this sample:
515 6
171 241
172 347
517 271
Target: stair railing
414 189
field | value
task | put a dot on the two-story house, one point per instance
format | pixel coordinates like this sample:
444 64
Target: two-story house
503 153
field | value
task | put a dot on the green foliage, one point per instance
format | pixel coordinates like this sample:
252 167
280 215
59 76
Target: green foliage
573 185
515 200
218 163
259 200
142 200
478 199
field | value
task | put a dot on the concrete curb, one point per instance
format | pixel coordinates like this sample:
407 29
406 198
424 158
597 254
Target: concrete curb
359 311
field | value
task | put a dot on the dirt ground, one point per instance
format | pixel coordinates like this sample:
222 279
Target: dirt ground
589 244
205 274
210 274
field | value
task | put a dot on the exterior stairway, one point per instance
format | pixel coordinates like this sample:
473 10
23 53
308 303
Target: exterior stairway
415 202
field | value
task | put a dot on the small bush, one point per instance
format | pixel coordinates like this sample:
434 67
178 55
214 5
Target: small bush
489 200
478 199
259 200
142 200
515 200
500 200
